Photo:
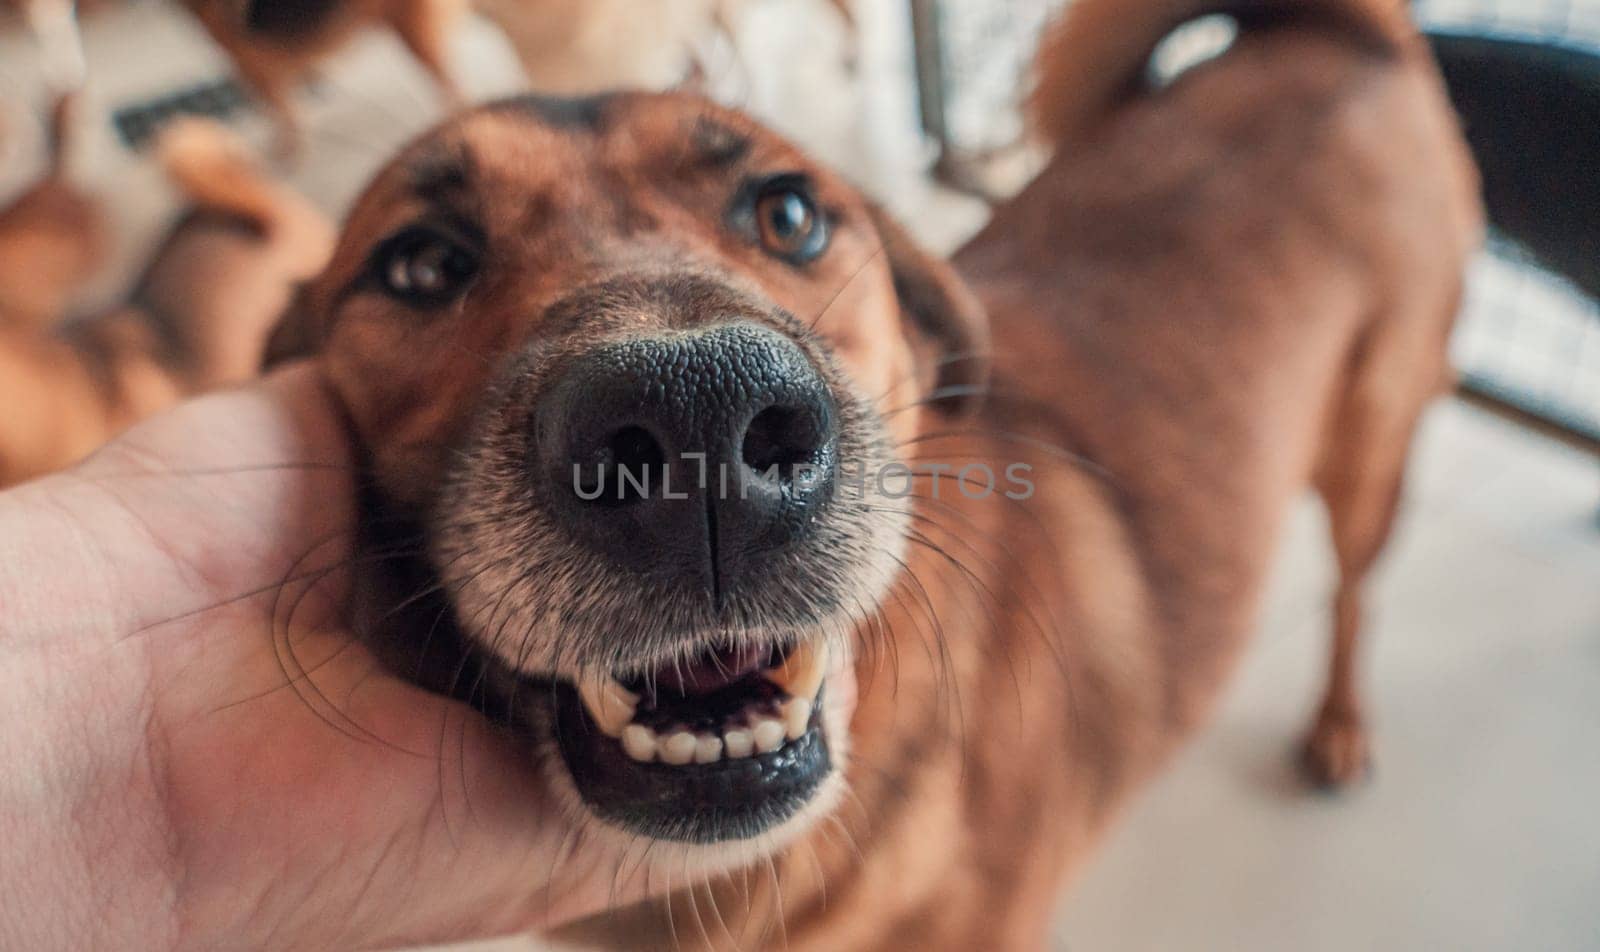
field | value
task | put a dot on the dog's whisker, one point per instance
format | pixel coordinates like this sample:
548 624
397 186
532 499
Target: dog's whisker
1055 450
937 645
982 590
471 813
693 900
946 360
291 577
308 691
854 275
951 680
1035 594
939 395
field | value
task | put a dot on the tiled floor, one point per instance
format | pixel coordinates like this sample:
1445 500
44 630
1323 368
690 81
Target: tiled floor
1480 830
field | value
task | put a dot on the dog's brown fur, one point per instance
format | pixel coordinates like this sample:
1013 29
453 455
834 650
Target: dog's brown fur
1216 294
53 237
198 318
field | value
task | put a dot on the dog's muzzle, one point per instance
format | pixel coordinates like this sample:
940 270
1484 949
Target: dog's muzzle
693 461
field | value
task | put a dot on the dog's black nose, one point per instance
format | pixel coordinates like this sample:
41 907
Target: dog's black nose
693 454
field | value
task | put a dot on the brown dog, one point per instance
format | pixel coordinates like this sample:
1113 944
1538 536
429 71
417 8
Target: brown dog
198 318
637 376
276 43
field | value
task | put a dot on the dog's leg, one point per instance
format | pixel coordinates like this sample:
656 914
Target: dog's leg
252 272
425 27
52 236
1335 753
1359 478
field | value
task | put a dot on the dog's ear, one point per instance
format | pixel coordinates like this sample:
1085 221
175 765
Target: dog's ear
946 312
298 332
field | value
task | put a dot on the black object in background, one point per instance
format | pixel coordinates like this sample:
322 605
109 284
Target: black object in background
1531 110
287 20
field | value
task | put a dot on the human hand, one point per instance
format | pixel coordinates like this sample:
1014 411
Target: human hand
196 753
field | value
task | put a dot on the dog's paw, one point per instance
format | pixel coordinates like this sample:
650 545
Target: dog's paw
1335 755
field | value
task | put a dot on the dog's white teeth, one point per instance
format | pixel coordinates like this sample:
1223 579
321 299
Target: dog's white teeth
768 734
611 705
802 672
796 717
681 748
738 743
639 742
707 749
677 749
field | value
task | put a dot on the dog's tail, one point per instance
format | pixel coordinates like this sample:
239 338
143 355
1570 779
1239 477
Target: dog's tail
1099 55
217 172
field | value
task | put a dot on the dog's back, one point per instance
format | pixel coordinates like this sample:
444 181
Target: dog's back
1224 287
1221 281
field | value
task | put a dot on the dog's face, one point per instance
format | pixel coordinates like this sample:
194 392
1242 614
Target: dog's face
634 364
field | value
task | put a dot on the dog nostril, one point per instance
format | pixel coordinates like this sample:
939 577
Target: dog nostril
781 437
622 470
634 449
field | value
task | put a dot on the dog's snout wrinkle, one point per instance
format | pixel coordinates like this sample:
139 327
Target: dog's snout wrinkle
691 453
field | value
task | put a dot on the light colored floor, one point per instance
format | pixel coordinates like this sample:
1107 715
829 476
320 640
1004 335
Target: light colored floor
1481 828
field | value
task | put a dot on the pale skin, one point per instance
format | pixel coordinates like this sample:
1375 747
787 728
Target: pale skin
163 782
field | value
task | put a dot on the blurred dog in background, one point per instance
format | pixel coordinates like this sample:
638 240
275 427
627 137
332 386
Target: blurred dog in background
53 237
565 46
275 44
197 318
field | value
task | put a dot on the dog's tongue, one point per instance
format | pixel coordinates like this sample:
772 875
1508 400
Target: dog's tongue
711 671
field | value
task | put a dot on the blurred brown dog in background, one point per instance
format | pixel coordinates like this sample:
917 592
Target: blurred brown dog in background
197 319
276 43
565 46
52 237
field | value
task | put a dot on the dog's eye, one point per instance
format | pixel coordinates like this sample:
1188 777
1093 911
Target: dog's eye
424 268
789 223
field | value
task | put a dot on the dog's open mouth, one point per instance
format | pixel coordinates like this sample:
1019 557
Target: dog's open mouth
718 748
